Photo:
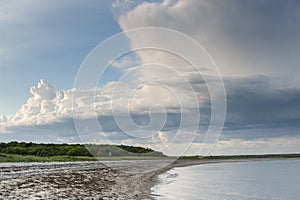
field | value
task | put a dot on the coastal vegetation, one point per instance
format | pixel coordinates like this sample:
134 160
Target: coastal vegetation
33 152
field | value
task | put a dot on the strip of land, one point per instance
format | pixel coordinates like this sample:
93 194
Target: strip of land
34 152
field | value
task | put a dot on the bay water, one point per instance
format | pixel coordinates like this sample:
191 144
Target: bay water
254 180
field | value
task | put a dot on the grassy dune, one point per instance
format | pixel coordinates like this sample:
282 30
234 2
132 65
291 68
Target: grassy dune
22 158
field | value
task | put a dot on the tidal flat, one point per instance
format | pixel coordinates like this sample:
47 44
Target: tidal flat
130 179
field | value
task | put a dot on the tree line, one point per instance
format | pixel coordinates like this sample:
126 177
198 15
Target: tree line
35 149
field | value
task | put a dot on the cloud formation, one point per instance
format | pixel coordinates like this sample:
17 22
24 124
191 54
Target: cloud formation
52 110
244 38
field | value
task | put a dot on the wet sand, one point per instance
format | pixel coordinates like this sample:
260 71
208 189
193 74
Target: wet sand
77 180
86 180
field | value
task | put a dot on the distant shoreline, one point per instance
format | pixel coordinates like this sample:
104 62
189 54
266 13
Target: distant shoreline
5 157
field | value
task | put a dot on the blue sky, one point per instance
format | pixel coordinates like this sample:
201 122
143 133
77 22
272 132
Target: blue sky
49 41
255 45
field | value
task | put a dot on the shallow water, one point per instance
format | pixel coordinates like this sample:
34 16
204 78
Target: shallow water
243 181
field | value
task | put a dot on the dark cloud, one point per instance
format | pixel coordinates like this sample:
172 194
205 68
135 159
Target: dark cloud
257 107
252 103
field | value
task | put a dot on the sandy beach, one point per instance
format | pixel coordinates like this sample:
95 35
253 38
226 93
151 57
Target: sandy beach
86 180
77 180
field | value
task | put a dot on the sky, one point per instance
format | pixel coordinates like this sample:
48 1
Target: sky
183 77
